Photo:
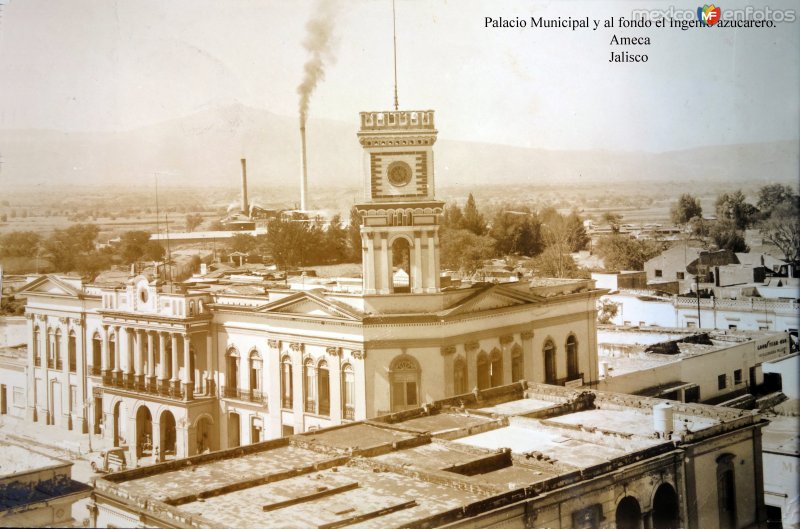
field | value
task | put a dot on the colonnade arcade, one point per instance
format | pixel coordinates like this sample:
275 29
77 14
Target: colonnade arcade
157 361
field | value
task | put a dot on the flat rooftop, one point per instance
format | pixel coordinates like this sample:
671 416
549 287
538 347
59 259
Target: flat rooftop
417 467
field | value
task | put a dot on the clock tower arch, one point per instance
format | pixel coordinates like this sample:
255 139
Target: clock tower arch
400 214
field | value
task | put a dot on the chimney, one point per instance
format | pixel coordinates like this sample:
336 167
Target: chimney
245 209
303 169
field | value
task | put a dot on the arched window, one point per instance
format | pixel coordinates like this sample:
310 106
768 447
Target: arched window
309 386
404 375
484 371
55 350
572 357
549 350
517 364
255 373
191 308
232 372
324 388
72 354
726 491
97 354
37 359
348 392
460 376
286 382
497 368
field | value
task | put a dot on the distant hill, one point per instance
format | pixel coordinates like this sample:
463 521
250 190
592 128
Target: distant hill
205 148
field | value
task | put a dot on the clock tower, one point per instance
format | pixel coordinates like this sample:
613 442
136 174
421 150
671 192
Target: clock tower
400 215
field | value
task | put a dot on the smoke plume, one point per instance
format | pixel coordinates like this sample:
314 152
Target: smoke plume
319 43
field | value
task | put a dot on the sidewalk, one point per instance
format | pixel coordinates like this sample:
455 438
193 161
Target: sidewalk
74 445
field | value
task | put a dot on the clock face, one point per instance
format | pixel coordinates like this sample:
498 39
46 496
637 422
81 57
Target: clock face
399 174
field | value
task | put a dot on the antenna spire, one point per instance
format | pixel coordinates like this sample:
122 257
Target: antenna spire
394 37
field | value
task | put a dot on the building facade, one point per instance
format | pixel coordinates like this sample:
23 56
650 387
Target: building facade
176 370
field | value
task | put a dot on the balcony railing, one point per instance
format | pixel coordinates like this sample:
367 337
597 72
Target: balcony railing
286 402
349 413
159 388
94 371
248 395
50 363
59 365
37 361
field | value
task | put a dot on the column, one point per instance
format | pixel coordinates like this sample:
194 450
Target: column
418 274
128 338
335 381
385 274
33 349
66 394
369 264
158 455
151 360
174 382
138 357
82 421
273 368
209 363
162 358
430 284
117 355
105 354
527 355
188 385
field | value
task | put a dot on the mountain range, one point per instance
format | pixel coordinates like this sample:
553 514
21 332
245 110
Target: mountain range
204 149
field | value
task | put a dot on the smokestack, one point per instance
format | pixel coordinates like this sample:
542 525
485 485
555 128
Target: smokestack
303 168
245 209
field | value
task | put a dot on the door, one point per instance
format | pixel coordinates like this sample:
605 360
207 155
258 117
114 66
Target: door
3 400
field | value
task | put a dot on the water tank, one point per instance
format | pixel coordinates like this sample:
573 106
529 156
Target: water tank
662 419
603 369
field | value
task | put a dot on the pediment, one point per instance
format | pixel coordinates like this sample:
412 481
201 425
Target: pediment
311 305
49 285
491 298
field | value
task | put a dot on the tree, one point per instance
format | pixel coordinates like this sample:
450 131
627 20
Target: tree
288 242
606 310
354 235
623 253
576 232
20 244
687 208
464 251
335 241
453 217
555 262
782 229
153 251
473 219
614 220
773 195
727 237
132 245
516 233
732 206
193 221
67 247
242 242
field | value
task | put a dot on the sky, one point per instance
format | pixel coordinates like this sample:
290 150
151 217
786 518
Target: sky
112 65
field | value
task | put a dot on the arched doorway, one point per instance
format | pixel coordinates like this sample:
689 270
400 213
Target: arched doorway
550 374
401 259
116 422
629 514
665 508
144 432
203 434
167 434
